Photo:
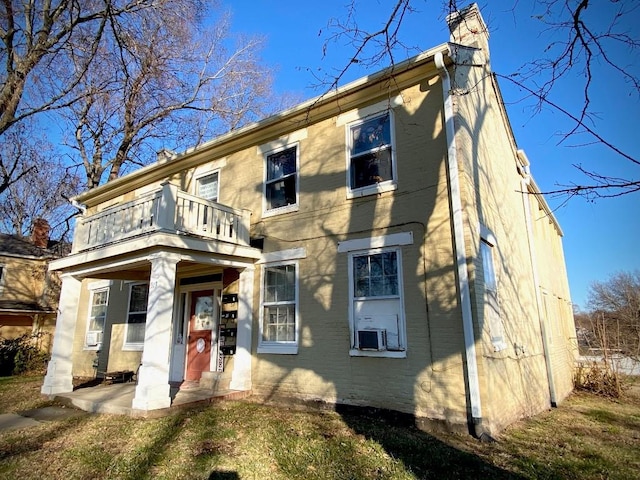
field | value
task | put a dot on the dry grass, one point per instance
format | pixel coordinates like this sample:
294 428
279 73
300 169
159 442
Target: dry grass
588 437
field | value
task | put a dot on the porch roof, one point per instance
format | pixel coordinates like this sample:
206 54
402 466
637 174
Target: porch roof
133 255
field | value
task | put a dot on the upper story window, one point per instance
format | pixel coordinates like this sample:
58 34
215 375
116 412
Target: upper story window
281 183
136 316
2 275
371 162
207 186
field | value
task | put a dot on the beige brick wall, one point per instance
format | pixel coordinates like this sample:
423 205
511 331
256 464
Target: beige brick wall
513 381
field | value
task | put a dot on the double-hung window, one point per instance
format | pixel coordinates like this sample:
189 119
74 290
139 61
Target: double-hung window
207 186
279 314
376 295
281 182
136 316
491 301
371 162
97 318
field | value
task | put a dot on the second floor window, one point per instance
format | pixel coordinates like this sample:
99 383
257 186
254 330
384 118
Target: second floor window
281 185
207 187
371 153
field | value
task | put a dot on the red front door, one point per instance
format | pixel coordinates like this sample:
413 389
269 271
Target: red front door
201 322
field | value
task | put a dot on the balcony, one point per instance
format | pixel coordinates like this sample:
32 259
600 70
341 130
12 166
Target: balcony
167 210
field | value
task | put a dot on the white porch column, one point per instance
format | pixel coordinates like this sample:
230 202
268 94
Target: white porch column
241 375
59 374
153 391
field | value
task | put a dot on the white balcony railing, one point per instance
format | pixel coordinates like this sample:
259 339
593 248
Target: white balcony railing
167 209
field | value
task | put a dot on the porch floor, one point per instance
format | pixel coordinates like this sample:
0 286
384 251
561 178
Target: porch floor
117 399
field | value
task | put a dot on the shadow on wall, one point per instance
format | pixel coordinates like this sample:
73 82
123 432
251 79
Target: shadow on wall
430 381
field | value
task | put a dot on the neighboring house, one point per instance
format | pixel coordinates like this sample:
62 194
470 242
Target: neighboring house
28 291
382 245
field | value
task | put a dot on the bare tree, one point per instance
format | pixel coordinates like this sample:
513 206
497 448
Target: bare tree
42 188
578 40
161 81
615 303
41 39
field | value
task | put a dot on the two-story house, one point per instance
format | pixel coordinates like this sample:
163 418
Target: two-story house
382 245
28 291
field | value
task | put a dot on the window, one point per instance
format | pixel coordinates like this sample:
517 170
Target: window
279 314
136 315
491 302
377 312
207 187
2 275
97 317
371 166
281 184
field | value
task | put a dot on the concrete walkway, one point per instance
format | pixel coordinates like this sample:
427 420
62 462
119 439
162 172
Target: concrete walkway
112 399
32 418
118 398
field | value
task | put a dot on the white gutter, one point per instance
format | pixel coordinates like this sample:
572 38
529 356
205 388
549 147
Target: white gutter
461 258
526 180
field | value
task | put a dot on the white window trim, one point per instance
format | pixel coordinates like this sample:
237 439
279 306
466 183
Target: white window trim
391 240
204 174
402 327
294 207
129 346
93 288
387 185
488 238
368 111
3 274
281 348
283 255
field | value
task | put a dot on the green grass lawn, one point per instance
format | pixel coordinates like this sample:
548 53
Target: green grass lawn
586 438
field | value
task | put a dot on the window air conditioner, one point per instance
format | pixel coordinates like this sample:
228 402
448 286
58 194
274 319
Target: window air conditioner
372 339
93 339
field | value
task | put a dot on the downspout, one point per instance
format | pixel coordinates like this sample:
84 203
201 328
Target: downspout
526 180
461 259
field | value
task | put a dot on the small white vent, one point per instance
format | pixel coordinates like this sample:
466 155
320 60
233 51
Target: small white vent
93 339
372 339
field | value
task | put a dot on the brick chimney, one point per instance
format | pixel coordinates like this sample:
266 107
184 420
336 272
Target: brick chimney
40 233
467 27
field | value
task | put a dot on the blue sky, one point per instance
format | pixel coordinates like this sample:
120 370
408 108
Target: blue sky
599 236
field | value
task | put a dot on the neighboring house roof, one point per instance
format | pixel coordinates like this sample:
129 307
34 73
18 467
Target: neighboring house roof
15 306
16 246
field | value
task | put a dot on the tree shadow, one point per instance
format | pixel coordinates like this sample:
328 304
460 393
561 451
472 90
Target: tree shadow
420 452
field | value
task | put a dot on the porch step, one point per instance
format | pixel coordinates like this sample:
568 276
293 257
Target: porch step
215 381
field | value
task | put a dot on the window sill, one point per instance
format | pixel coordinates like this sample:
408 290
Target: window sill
91 349
372 353
281 210
279 349
133 347
371 190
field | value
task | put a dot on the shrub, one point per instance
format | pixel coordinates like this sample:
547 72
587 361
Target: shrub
598 378
21 355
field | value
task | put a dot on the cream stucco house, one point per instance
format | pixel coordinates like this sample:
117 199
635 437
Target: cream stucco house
383 245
